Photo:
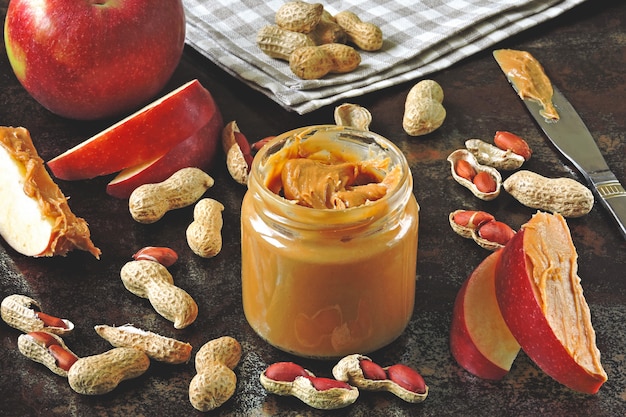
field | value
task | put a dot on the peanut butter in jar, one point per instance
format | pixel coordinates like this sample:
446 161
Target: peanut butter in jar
329 242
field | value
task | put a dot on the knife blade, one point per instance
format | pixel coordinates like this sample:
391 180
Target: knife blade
570 136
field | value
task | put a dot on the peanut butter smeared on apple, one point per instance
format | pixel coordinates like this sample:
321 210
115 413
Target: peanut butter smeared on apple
551 261
35 218
528 77
322 177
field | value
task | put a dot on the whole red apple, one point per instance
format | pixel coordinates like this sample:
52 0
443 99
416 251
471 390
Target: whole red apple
92 59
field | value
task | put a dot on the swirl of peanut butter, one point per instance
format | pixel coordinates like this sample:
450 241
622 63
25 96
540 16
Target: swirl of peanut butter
330 186
321 174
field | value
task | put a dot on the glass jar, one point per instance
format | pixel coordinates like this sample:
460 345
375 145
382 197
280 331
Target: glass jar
325 283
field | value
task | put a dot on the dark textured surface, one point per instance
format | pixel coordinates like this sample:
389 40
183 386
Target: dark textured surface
584 53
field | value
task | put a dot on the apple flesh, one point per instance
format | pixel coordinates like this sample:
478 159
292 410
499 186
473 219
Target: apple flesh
35 218
480 340
147 134
541 300
94 59
198 151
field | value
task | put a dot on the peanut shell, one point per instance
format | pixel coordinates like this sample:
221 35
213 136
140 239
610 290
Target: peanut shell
157 347
151 280
38 352
212 386
310 62
204 235
20 312
299 16
236 163
423 116
471 159
328 31
148 203
352 115
101 374
565 196
426 89
345 58
348 369
491 155
279 43
225 349
364 35
302 388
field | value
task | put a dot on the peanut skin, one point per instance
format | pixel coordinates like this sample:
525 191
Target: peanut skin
148 203
100 374
565 196
164 256
151 280
511 142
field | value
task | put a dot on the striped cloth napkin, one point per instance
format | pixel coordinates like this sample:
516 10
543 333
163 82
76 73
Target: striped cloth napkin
420 37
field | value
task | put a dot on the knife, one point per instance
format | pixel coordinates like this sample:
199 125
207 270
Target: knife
571 137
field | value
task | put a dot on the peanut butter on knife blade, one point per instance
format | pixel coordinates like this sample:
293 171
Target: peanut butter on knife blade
528 77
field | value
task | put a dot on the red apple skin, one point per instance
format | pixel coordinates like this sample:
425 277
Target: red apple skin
93 59
486 352
529 325
143 136
198 151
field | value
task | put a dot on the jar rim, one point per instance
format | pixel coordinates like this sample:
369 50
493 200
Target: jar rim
367 140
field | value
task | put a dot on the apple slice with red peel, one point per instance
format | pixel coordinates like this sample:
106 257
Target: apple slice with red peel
198 151
541 299
143 136
480 340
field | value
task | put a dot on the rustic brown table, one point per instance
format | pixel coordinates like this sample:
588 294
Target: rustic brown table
584 52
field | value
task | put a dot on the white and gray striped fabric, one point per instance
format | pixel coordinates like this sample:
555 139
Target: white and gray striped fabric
420 38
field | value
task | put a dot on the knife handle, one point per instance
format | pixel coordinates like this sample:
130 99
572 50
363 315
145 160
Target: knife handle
613 198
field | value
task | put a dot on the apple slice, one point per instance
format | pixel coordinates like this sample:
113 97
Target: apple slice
541 299
198 151
35 218
146 134
480 340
